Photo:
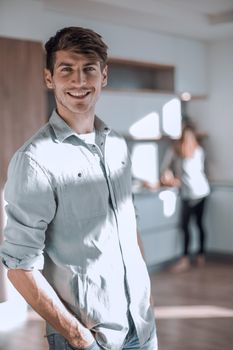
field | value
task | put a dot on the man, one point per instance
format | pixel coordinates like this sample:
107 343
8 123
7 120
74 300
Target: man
70 213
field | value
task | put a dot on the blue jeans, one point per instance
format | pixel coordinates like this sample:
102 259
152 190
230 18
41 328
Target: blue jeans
57 342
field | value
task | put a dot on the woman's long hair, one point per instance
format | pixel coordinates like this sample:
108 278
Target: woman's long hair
188 142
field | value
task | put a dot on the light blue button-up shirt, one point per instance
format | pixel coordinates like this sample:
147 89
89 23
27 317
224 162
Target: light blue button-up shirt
70 214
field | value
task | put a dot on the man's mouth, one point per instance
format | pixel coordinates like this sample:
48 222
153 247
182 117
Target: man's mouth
78 94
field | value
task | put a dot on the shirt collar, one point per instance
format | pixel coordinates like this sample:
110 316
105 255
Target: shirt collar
101 126
63 131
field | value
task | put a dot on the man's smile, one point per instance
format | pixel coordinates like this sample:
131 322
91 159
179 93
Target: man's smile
78 94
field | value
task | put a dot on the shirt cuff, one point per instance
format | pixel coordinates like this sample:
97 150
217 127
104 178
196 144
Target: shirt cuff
32 262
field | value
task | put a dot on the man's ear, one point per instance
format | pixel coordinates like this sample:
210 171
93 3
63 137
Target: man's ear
48 78
105 76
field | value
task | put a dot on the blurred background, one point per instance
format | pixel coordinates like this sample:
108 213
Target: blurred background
169 61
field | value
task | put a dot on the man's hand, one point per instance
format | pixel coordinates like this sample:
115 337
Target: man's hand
82 339
41 296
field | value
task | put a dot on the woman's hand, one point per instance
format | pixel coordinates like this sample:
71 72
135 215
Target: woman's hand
168 179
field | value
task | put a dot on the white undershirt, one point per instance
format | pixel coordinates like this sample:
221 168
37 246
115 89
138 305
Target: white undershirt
88 138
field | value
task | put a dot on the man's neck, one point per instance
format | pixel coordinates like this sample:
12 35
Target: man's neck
81 124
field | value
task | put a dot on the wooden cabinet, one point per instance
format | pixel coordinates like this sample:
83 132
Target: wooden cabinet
22 101
159 225
22 97
133 75
219 220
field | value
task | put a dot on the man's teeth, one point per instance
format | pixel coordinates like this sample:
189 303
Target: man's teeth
79 94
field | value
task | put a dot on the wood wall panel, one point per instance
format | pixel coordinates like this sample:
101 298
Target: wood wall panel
22 95
22 100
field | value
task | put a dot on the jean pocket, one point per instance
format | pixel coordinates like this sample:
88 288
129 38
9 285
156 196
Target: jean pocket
56 342
93 346
50 339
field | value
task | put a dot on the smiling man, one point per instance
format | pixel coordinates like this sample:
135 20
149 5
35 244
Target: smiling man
71 244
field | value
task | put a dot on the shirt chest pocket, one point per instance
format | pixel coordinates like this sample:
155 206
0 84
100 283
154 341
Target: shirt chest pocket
84 193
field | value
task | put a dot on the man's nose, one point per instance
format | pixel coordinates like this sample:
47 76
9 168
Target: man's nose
79 77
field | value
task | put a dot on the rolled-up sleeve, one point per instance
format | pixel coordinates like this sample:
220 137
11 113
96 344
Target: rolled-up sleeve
30 208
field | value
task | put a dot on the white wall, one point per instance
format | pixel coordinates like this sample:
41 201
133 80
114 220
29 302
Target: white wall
31 19
122 109
215 115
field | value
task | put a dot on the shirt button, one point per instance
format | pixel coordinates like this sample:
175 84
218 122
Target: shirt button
79 174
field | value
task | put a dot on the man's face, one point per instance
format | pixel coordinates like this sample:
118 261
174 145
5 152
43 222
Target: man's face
77 81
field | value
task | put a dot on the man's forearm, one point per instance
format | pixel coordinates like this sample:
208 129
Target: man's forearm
41 296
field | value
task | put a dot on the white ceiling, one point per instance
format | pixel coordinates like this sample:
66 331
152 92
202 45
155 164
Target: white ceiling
202 19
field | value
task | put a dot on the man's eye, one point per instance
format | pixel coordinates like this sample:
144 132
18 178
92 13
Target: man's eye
90 69
66 69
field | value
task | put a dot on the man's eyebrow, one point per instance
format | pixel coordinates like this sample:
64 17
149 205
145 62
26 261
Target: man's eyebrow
67 64
91 63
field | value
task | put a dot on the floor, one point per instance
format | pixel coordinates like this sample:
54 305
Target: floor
194 311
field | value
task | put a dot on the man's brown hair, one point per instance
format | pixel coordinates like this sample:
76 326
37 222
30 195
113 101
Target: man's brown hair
77 39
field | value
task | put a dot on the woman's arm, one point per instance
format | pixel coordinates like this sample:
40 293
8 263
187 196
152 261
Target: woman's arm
167 177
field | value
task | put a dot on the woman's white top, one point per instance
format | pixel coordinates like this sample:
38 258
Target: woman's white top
194 180
190 171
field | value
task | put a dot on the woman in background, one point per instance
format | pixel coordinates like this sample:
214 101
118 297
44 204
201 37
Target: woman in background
183 166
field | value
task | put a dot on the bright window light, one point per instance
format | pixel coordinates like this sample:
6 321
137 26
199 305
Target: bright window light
14 300
147 127
145 162
172 118
169 202
7 309
192 311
